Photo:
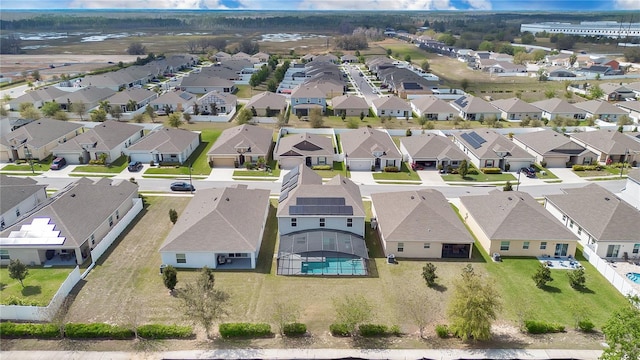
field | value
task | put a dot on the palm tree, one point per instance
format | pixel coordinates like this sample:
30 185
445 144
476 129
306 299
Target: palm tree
132 105
104 105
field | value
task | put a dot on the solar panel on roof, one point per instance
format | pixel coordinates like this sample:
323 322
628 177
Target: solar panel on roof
320 201
471 141
186 96
283 196
477 137
320 210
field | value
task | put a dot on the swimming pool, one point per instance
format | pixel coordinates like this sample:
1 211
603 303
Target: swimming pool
334 266
635 277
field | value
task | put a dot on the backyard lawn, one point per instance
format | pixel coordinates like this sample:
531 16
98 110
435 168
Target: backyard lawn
39 286
198 159
405 173
115 167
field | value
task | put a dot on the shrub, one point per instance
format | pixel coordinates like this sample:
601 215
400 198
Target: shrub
542 327
294 329
39 331
442 331
493 170
368 330
229 330
472 171
543 164
339 330
391 169
322 167
96 331
159 331
12 300
395 330
586 325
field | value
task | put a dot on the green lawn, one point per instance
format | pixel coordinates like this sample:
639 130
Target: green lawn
338 169
38 166
273 164
198 158
548 175
113 168
39 286
406 173
480 177
606 171
245 91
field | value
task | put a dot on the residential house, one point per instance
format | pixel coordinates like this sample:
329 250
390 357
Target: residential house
131 100
110 138
348 58
604 223
600 70
36 97
561 73
174 101
321 226
221 55
368 149
404 82
220 228
391 106
474 108
330 87
515 110
36 139
309 149
260 57
512 223
554 149
432 108
217 103
617 92
267 104
609 145
89 96
555 108
304 98
489 149
632 108
202 84
173 146
631 191
431 151
68 226
350 105
19 196
602 110
240 144
419 224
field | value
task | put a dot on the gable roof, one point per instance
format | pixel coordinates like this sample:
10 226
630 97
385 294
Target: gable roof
106 136
228 219
607 141
87 95
14 190
473 104
44 94
431 146
432 105
137 95
600 107
257 138
557 106
305 144
39 133
174 97
634 175
267 99
513 105
391 102
312 92
599 212
546 141
418 216
503 215
166 141
205 80
361 143
493 142
349 102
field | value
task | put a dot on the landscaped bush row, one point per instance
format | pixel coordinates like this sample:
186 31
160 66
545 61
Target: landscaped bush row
542 327
586 325
369 330
93 331
492 170
40 331
159 331
586 167
12 300
322 167
96 331
391 169
294 329
229 330
338 329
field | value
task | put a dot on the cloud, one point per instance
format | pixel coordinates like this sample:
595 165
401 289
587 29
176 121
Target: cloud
627 4
479 4
376 5
146 4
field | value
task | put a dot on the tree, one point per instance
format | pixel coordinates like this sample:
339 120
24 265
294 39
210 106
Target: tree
175 119
407 58
244 116
149 111
170 277
202 302
474 305
464 84
132 105
429 274
622 332
283 313
527 38
572 59
352 310
99 115
136 48
116 112
425 66
315 118
507 186
418 308
632 54
463 169
30 113
361 116
138 118
595 92
624 120
49 108
388 52
272 85
576 278
104 105
79 109
18 270
60 115
186 117
35 74
248 46
542 276
173 215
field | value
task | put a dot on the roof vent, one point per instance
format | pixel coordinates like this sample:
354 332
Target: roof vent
607 199
73 195
227 199
510 198
412 197
215 199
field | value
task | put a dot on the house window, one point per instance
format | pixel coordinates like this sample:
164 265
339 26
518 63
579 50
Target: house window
17 212
426 246
543 245
294 222
322 160
571 224
349 222
2 225
322 221
400 247
181 258
117 214
93 239
110 220
391 163
564 217
381 112
579 230
504 246
488 163
4 255
525 245
636 248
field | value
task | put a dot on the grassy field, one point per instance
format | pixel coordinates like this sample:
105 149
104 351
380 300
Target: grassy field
406 173
39 286
115 167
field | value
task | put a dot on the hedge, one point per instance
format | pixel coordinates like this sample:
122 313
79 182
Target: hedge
294 329
586 325
39 331
492 170
159 331
339 330
322 167
586 167
96 331
542 327
472 171
442 331
373 330
393 169
229 330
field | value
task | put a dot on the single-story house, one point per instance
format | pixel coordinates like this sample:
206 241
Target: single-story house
488 149
553 148
631 191
175 101
267 104
419 224
512 223
607 225
110 138
309 149
366 149
36 139
19 196
217 103
220 229
474 108
90 96
240 144
598 109
202 84
349 105
430 151
553 108
36 97
632 108
69 225
391 105
131 100
164 146
515 109
432 108
609 145
617 92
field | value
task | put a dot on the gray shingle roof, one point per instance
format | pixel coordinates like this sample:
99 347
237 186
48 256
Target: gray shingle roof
391 102
267 99
608 141
514 215
432 105
493 141
432 146
259 139
544 141
305 144
634 175
307 92
418 216
87 95
137 95
473 104
514 105
557 106
346 102
14 190
228 219
599 212
166 141
600 107
106 136
40 132
361 143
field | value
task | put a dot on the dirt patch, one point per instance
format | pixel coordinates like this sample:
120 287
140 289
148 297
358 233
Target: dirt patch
14 65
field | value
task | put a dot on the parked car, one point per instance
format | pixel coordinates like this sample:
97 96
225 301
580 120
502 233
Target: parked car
528 172
58 163
135 166
182 186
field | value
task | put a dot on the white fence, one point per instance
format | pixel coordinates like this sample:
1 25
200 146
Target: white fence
214 118
618 281
112 235
42 313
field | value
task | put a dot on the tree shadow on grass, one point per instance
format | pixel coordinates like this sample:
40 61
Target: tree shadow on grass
439 288
585 290
551 289
2 286
31 290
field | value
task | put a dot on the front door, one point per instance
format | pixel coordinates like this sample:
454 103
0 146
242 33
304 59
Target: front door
377 163
612 251
308 161
561 249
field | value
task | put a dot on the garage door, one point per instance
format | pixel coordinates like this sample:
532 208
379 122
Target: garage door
556 162
142 157
223 162
288 163
359 165
71 158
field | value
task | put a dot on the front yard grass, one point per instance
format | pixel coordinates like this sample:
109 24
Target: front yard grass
38 166
273 164
39 286
405 173
481 177
115 167
548 175
338 169
606 171
198 159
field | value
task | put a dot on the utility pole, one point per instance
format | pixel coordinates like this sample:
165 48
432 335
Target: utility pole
27 154
190 181
626 153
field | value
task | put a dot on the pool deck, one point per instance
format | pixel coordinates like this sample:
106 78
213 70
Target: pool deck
623 267
560 262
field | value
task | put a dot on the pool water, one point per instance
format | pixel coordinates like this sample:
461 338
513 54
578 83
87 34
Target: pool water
635 277
335 266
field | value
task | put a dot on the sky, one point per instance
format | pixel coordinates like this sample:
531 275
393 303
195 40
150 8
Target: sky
504 5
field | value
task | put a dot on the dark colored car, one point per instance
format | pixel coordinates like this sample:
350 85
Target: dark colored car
58 163
135 166
182 186
528 172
